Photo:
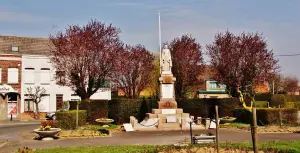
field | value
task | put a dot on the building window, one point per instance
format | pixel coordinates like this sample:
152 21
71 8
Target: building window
13 76
15 48
213 85
29 75
45 75
29 105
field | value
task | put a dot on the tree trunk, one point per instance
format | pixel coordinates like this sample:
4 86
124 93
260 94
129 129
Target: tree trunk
37 110
133 92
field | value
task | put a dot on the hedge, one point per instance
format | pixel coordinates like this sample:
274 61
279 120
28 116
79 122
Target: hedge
121 109
267 116
261 104
263 97
281 99
295 105
206 107
95 109
67 119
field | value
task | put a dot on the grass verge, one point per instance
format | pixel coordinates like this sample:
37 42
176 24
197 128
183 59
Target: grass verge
271 146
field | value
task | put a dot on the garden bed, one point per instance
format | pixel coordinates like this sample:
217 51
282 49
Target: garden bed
262 129
84 131
90 131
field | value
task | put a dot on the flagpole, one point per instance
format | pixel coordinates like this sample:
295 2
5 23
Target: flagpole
159 38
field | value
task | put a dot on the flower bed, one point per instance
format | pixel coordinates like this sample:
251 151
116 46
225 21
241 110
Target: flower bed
262 129
82 133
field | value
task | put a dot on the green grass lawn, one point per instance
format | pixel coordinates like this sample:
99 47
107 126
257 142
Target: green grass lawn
276 146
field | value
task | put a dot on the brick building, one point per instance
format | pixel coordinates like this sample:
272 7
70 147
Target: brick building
10 85
11 50
25 63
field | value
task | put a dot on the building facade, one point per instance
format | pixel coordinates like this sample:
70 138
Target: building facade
10 85
24 64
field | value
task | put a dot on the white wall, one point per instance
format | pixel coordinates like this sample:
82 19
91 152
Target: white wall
39 62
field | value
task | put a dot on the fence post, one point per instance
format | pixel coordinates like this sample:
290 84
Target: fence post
280 118
191 130
254 130
217 129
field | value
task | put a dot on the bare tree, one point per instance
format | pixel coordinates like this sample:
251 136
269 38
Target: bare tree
276 83
36 94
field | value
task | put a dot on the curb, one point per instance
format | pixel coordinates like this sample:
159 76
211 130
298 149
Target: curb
3 144
16 124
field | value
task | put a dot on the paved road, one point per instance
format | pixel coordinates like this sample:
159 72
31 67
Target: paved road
12 132
138 138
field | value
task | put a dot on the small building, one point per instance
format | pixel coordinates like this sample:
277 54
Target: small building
213 90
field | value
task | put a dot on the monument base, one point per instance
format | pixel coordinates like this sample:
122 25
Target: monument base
165 119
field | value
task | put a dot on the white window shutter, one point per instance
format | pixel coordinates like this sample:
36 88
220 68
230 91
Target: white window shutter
29 76
45 76
13 75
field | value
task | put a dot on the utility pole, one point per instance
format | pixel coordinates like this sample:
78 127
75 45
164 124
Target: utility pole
159 39
217 128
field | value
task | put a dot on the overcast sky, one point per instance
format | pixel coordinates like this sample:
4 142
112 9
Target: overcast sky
279 21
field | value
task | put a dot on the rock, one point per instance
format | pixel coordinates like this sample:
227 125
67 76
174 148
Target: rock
105 126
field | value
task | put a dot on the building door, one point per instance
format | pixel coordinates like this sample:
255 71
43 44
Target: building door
12 105
59 101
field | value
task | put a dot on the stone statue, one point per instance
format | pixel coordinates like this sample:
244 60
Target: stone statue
166 62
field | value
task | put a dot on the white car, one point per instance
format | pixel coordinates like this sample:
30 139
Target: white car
50 116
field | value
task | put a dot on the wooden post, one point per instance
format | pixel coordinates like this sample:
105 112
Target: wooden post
77 108
217 129
191 131
280 118
254 130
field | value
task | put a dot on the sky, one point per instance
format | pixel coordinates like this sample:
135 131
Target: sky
277 20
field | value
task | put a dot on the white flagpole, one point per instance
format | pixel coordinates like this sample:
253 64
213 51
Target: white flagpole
159 38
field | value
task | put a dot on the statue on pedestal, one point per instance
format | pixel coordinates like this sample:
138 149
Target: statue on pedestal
166 61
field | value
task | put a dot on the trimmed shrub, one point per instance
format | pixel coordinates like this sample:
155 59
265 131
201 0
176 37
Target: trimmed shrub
267 116
295 105
278 100
121 109
261 104
242 116
67 119
206 107
263 97
281 99
95 109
